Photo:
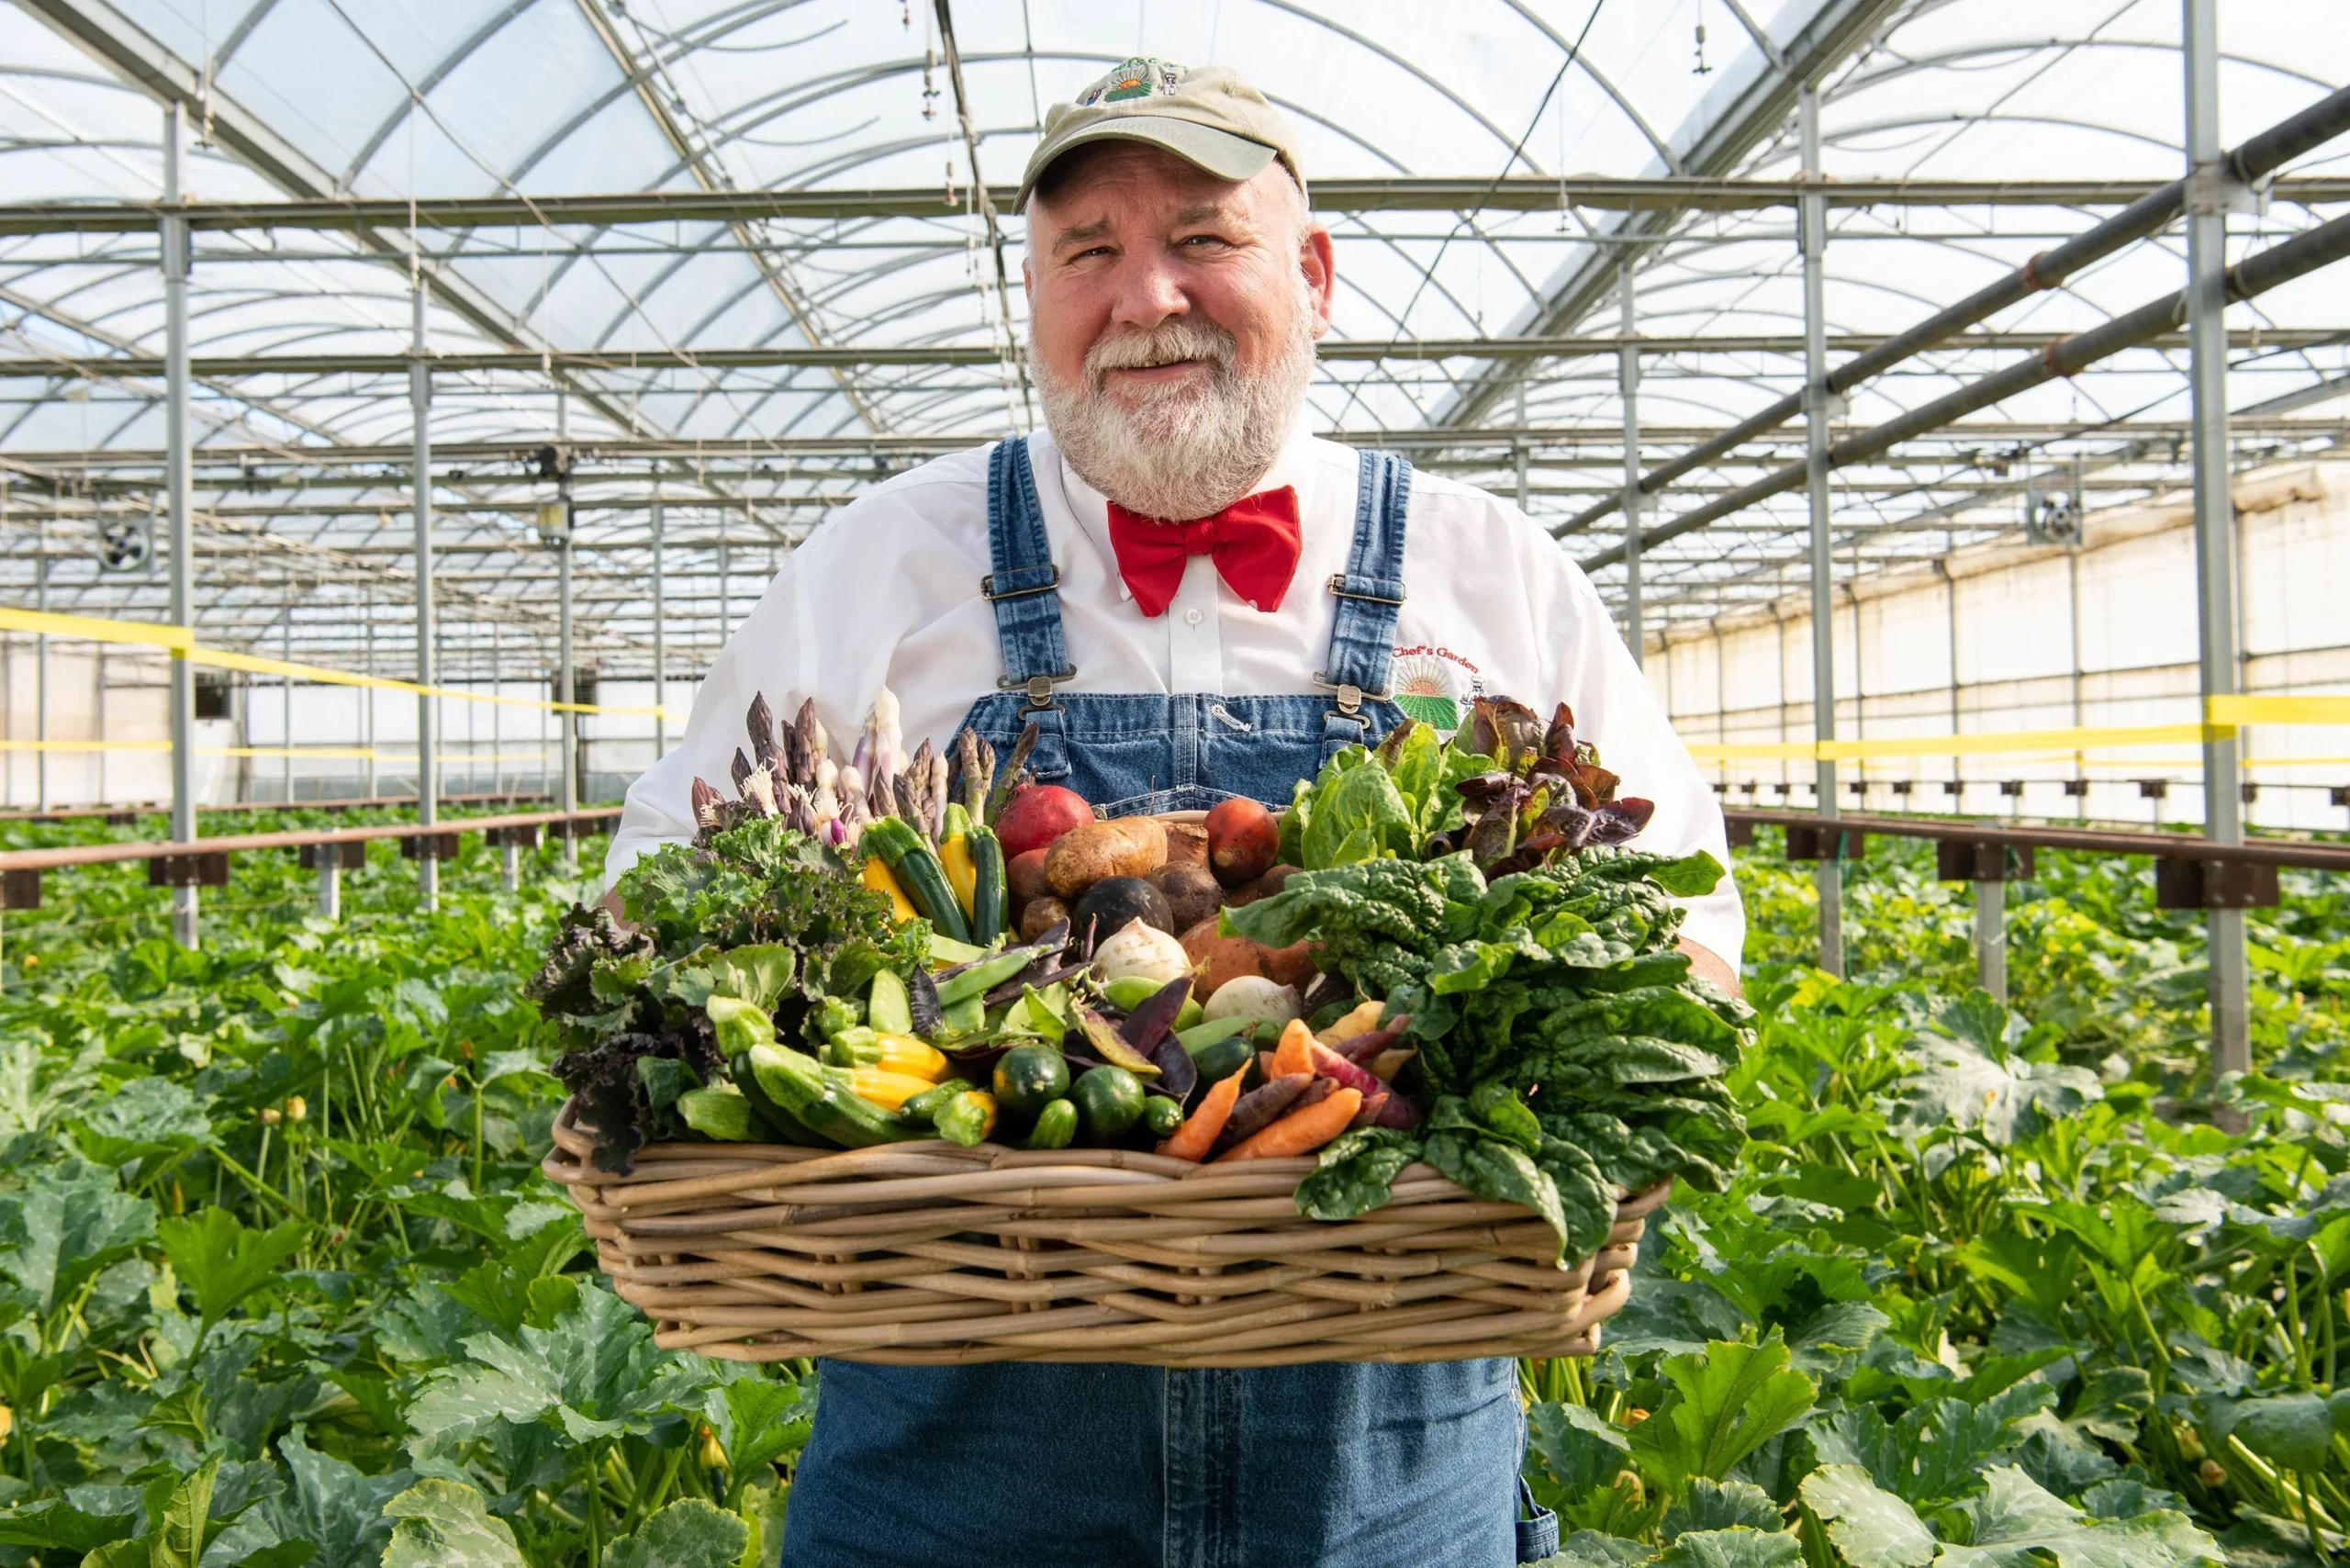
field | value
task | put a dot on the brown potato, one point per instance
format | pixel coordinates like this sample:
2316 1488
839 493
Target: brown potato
1025 877
1128 846
1040 915
1193 892
1187 844
1219 958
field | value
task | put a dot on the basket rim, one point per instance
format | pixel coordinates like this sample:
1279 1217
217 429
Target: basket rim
753 1166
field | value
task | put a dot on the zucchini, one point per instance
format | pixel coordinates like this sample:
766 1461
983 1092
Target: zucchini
891 1053
991 892
828 1108
788 1128
877 876
915 865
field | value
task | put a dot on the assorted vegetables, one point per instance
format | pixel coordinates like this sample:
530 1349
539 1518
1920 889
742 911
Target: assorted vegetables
1440 952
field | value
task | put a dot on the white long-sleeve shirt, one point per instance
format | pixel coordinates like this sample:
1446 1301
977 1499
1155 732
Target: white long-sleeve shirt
887 593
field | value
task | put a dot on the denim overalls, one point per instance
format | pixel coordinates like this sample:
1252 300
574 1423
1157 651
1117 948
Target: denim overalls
1033 1464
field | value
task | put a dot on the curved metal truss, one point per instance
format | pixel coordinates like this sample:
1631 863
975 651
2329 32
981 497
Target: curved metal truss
750 371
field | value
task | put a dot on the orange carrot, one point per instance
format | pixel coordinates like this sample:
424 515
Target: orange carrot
1192 1140
1295 1051
1303 1132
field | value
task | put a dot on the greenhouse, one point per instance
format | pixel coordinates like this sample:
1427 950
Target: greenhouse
1257 782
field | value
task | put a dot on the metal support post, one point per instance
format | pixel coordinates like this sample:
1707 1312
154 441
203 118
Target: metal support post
2207 341
1628 383
1814 219
40 668
512 868
497 710
660 639
2080 764
98 713
330 881
1524 458
367 694
428 782
564 692
1991 938
179 502
286 695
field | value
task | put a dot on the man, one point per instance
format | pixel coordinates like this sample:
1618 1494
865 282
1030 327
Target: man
1176 285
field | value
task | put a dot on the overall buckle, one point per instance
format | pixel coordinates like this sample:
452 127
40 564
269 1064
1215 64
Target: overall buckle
1350 695
1338 589
987 589
1039 688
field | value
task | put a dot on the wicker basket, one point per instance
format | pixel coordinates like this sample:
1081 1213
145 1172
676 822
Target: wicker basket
925 1254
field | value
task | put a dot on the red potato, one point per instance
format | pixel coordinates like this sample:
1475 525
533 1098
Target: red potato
1040 915
1025 876
1034 816
1243 841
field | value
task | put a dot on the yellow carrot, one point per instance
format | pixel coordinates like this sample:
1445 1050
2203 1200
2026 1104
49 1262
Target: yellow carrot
1294 1053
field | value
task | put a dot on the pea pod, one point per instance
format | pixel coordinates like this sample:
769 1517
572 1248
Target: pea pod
978 980
1056 1126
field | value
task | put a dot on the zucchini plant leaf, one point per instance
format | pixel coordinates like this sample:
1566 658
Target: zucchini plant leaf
443 1524
689 1533
1579 1449
757 1421
1727 1401
63 1226
1739 1548
1721 1505
2018 1523
221 1261
1870 1527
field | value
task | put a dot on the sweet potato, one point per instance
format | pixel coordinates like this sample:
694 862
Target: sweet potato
1123 846
1219 958
1302 1131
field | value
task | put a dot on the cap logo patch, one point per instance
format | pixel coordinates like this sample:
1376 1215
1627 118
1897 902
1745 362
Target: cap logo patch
1142 77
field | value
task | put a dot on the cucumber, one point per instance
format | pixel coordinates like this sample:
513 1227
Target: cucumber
1056 1126
1161 1116
1221 1060
889 1010
923 1110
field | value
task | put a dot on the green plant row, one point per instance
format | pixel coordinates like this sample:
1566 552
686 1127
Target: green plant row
280 1282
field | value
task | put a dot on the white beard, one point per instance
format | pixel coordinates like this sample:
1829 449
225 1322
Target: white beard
1185 451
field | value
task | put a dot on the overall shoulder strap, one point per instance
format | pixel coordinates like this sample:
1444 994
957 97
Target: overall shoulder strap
1025 585
1371 590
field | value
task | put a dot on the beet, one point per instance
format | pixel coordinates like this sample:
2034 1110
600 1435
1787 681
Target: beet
1114 902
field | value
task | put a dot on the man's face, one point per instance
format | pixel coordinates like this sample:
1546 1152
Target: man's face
1134 237
1173 318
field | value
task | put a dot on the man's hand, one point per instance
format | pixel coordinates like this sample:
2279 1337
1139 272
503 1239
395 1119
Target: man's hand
1707 964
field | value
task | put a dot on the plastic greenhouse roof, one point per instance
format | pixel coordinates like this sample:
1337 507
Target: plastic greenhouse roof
393 100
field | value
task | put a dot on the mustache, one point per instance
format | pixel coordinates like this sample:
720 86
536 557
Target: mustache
1170 342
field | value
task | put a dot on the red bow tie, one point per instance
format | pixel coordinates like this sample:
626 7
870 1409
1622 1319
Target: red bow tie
1254 542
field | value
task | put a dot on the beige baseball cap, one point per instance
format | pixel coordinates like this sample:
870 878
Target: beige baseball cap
1210 115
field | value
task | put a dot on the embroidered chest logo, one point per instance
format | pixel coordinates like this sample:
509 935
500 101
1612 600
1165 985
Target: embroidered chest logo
1435 685
1137 78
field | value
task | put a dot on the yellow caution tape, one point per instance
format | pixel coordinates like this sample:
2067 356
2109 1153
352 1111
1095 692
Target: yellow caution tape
2278 710
451 757
2059 740
181 639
